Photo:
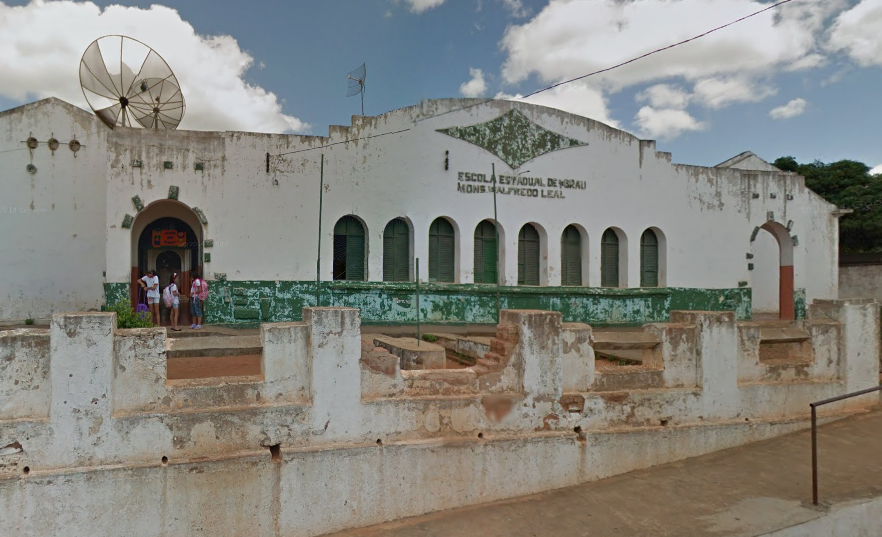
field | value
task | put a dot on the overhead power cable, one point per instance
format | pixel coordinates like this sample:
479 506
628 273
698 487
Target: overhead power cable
604 70
699 36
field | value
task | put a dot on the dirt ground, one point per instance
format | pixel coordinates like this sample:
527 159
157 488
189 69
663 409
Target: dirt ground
213 366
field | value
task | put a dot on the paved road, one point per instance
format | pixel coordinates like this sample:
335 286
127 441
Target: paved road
741 491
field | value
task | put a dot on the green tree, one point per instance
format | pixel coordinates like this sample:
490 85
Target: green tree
848 185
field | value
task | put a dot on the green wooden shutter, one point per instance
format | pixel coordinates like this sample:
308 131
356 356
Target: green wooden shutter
355 258
434 251
528 256
489 256
485 253
349 249
571 257
442 252
648 259
609 259
479 258
396 251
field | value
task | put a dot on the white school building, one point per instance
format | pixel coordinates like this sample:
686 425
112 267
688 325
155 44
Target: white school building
591 221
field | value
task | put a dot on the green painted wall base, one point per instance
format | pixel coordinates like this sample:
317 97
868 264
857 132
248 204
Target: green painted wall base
235 302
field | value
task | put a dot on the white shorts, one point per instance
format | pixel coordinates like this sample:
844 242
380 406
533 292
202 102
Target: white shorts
151 300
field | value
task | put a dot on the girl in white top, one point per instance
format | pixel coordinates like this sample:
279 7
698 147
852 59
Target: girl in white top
150 283
173 289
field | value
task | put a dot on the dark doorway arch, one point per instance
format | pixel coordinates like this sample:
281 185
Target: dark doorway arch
168 245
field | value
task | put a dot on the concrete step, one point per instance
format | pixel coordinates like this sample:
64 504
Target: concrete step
215 346
609 341
783 335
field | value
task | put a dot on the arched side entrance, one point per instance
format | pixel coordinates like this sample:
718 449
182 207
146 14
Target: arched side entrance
167 237
773 277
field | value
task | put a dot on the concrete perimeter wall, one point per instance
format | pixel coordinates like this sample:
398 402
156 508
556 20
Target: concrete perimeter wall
334 434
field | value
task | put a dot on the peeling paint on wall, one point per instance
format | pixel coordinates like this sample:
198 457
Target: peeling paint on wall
394 303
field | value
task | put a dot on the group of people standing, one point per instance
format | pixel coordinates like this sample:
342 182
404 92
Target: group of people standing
172 296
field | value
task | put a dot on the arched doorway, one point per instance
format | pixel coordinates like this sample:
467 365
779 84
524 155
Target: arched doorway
167 237
772 278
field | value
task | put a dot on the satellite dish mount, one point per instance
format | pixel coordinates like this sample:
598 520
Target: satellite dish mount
356 84
128 84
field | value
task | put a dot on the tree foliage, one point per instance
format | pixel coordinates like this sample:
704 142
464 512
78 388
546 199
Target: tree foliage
848 185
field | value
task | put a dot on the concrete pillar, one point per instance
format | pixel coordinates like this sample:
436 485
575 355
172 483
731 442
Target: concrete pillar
285 362
859 340
716 351
335 349
81 369
539 351
578 357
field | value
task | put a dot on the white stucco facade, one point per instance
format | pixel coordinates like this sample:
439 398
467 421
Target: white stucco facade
65 238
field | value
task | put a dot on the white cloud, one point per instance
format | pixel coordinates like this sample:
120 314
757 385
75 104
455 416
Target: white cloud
515 8
41 44
418 6
666 124
876 170
576 98
474 87
721 92
857 33
664 96
570 38
792 109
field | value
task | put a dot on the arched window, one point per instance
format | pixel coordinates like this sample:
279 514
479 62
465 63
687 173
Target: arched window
528 256
485 253
648 259
349 249
442 251
396 251
609 259
571 256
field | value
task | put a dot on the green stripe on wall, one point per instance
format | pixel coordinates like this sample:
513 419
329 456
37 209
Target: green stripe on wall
393 303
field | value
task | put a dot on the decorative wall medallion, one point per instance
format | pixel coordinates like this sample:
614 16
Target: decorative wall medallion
207 257
220 276
167 165
199 166
173 192
513 138
201 215
139 205
53 144
208 243
127 222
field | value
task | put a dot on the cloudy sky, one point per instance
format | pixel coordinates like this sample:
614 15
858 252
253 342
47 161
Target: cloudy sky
801 80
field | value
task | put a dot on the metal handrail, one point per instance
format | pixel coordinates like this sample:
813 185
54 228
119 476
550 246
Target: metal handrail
815 432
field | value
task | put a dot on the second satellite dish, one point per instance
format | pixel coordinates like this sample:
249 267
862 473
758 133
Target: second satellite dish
128 84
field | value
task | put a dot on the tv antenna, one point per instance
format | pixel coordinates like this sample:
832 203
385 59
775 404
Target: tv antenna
356 84
128 84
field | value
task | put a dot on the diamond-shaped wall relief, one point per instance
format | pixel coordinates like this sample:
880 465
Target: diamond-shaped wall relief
513 138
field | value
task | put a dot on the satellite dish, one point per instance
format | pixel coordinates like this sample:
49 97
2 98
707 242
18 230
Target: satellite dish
356 84
128 84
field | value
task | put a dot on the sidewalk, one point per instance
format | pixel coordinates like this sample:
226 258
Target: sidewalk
748 490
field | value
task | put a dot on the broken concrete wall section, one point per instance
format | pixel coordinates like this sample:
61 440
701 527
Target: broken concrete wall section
94 439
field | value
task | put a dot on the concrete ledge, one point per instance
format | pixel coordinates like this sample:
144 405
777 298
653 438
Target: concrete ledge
414 354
